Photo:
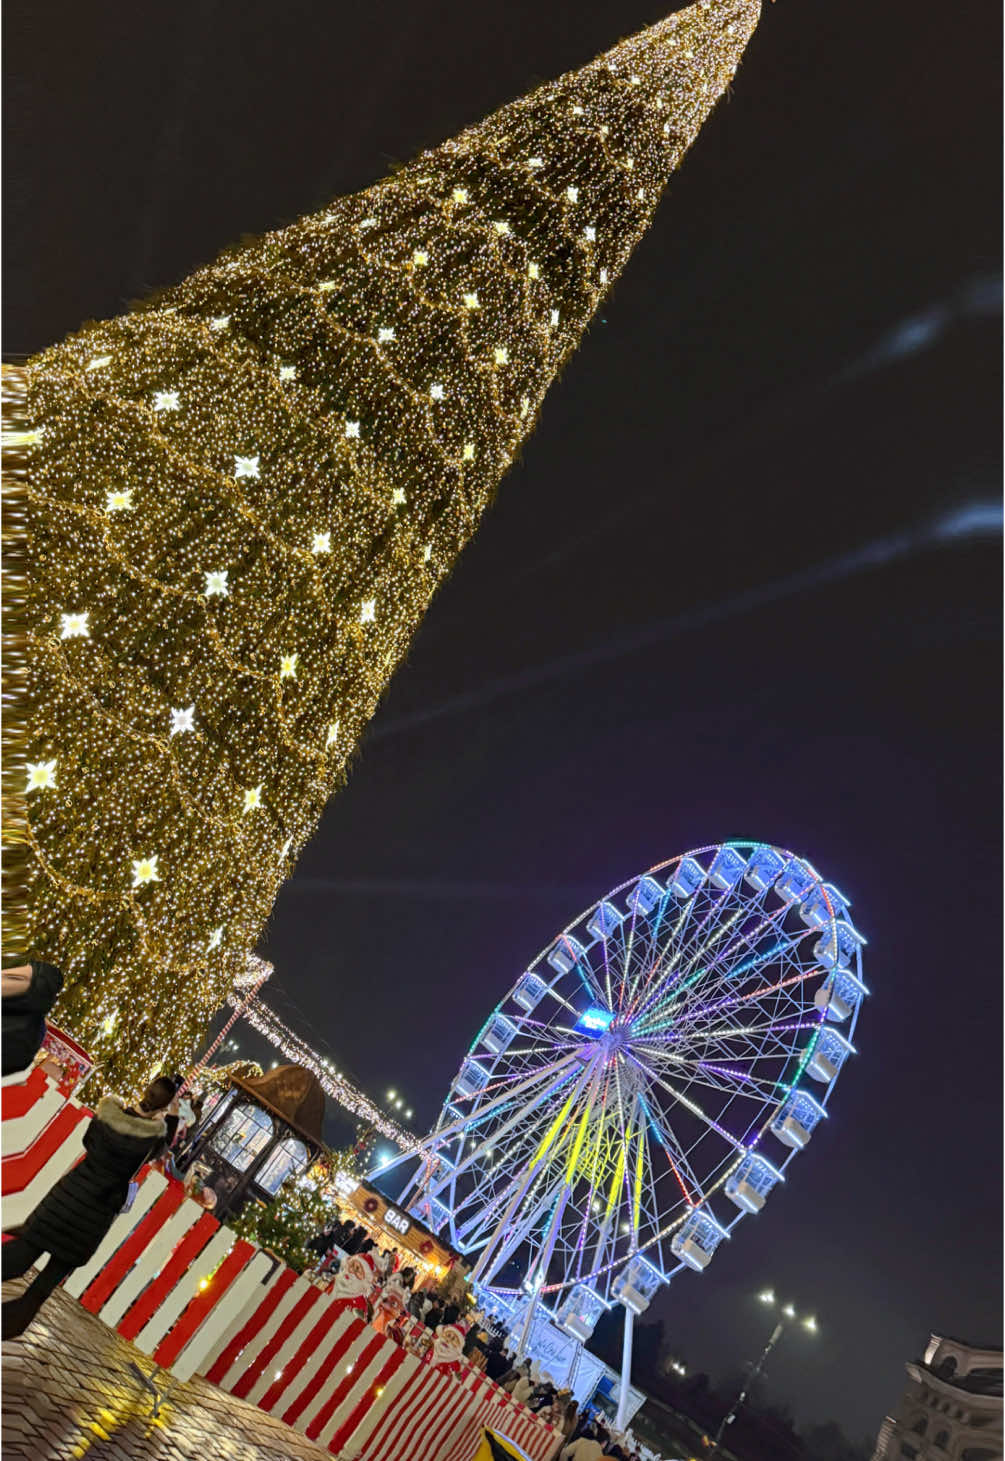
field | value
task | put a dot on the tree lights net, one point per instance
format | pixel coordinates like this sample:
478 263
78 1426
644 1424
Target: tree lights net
227 511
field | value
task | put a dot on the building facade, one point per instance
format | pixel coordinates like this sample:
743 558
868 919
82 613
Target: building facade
951 1409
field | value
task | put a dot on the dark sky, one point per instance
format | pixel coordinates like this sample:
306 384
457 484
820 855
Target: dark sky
802 359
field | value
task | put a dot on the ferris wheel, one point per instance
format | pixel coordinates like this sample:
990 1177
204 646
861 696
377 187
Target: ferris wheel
645 1082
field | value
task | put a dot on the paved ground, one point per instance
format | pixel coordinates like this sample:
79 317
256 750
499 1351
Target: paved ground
68 1392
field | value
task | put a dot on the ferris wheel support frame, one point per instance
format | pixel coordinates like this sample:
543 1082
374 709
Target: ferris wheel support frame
626 1367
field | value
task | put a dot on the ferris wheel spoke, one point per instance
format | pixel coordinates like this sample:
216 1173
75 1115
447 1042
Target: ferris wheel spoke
695 1109
737 1001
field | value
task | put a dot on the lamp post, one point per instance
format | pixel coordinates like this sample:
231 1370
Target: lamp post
788 1316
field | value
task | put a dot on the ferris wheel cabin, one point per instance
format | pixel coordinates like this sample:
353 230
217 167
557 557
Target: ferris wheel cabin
798 1119
645 895
580 1311
829 1054
727 868
697 1239
764 869
795 882
636 1284
529 992
837 945
605 919
498 1034
688 878
815 911
566 954
752 1182
471 1078
840 994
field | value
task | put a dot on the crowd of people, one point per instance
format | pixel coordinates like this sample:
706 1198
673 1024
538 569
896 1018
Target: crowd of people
587 1435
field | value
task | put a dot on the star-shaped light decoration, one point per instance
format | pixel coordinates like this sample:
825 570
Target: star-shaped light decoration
321 543
460 195
427 552
108 1023
468 454
287 372
533 272
75 626
436 392
500 355
41 775
572 195
398 497
501 227
182 720
216 583
215 939
385 334
120 501
470 301
603 276
326 286
534 163
219 322
352 428
332 736
145 871
288 666
165 400
554 317
590 233
420 258
577 110
252 798
245 466
368 223
97 361
368 611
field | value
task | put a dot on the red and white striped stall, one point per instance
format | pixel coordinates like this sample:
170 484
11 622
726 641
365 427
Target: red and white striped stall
198 1300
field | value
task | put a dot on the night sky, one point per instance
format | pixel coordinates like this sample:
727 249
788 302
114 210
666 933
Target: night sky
736 588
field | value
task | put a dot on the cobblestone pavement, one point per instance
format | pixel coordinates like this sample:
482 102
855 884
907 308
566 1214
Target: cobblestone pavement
68 1392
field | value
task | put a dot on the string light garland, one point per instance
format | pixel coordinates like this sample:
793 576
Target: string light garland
227 512
265 1020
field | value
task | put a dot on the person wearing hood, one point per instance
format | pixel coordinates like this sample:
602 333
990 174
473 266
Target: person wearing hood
523 1389
74 1216
29 992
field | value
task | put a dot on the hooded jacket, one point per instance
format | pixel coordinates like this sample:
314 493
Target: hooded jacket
75 1215
24 1017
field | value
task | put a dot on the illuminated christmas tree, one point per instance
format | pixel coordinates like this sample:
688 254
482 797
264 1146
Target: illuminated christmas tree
237 502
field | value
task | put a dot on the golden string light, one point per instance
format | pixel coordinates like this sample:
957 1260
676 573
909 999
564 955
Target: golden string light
239 499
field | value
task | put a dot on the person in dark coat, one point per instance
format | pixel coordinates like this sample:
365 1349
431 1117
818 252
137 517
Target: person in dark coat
29 993
73 1217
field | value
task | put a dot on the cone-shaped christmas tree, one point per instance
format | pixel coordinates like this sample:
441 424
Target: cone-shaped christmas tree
239 501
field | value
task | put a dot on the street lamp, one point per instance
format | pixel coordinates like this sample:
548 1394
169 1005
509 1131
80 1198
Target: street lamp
789 1315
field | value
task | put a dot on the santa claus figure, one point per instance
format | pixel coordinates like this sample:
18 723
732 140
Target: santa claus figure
447 1353
353 1282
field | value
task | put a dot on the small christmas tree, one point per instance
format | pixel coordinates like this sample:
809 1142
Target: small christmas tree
303 1207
